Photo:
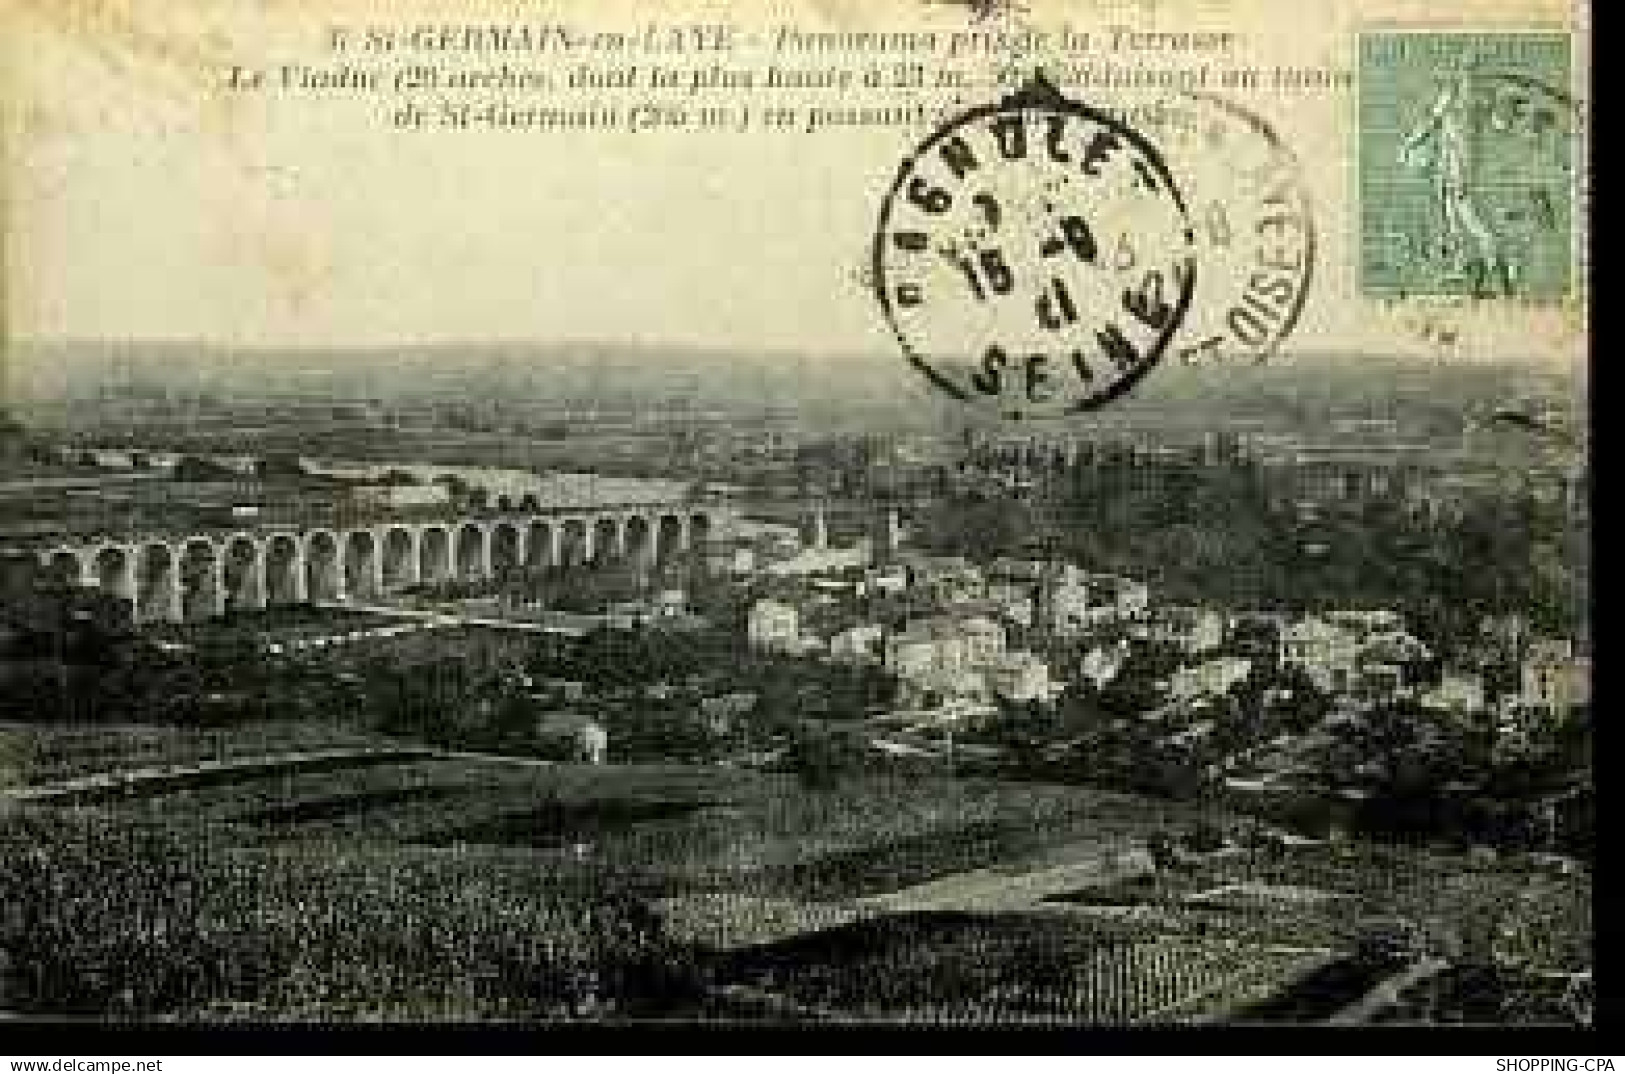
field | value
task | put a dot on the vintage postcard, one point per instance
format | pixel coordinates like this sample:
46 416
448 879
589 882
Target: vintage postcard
998 512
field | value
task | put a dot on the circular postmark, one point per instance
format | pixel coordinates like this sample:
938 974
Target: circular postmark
1525 130
1034 256
1254 226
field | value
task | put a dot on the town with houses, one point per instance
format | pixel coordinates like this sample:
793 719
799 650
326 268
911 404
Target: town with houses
960 641
549 519
802 688
1011 631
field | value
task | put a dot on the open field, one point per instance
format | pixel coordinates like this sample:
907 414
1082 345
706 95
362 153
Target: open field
877 834
35 754
449 887
112 915
1462 906
442 801
459 886
677 828
108 916
1008 967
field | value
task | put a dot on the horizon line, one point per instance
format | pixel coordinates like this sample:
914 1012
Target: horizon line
1286 360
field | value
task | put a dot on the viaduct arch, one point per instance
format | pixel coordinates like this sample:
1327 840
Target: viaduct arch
204 575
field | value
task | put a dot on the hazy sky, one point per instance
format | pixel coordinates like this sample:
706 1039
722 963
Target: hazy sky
147 202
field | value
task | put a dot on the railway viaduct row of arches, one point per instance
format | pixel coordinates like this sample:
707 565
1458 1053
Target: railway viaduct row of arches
183 579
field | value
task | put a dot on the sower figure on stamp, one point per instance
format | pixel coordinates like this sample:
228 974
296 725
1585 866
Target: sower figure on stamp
1461 221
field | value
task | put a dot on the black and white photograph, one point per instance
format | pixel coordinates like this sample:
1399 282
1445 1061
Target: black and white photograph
1062 514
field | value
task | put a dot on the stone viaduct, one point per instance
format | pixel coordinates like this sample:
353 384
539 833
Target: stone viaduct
199 576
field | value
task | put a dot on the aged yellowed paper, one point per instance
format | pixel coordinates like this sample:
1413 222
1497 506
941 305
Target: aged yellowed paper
1007 510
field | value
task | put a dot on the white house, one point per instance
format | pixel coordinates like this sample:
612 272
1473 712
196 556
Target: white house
1129 598
1195 630
810 561
1020 676
1102 664
984 639
396 496
1325 652
958 658
727 557
1344 650
1554 678
1457 691
773 625
589 739
1067 607
927 648
1211 678
857 644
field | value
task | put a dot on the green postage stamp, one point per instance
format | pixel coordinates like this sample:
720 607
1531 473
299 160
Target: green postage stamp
1467 173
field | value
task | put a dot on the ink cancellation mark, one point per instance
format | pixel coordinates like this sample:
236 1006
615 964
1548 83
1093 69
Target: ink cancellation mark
1254 226
1467 165
1034 256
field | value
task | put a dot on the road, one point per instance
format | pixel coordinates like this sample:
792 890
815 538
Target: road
563 622
105 781
1387 992
258 764
993 889
744 921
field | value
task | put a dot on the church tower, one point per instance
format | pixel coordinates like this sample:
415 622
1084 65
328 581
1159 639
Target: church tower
891 534
817 531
